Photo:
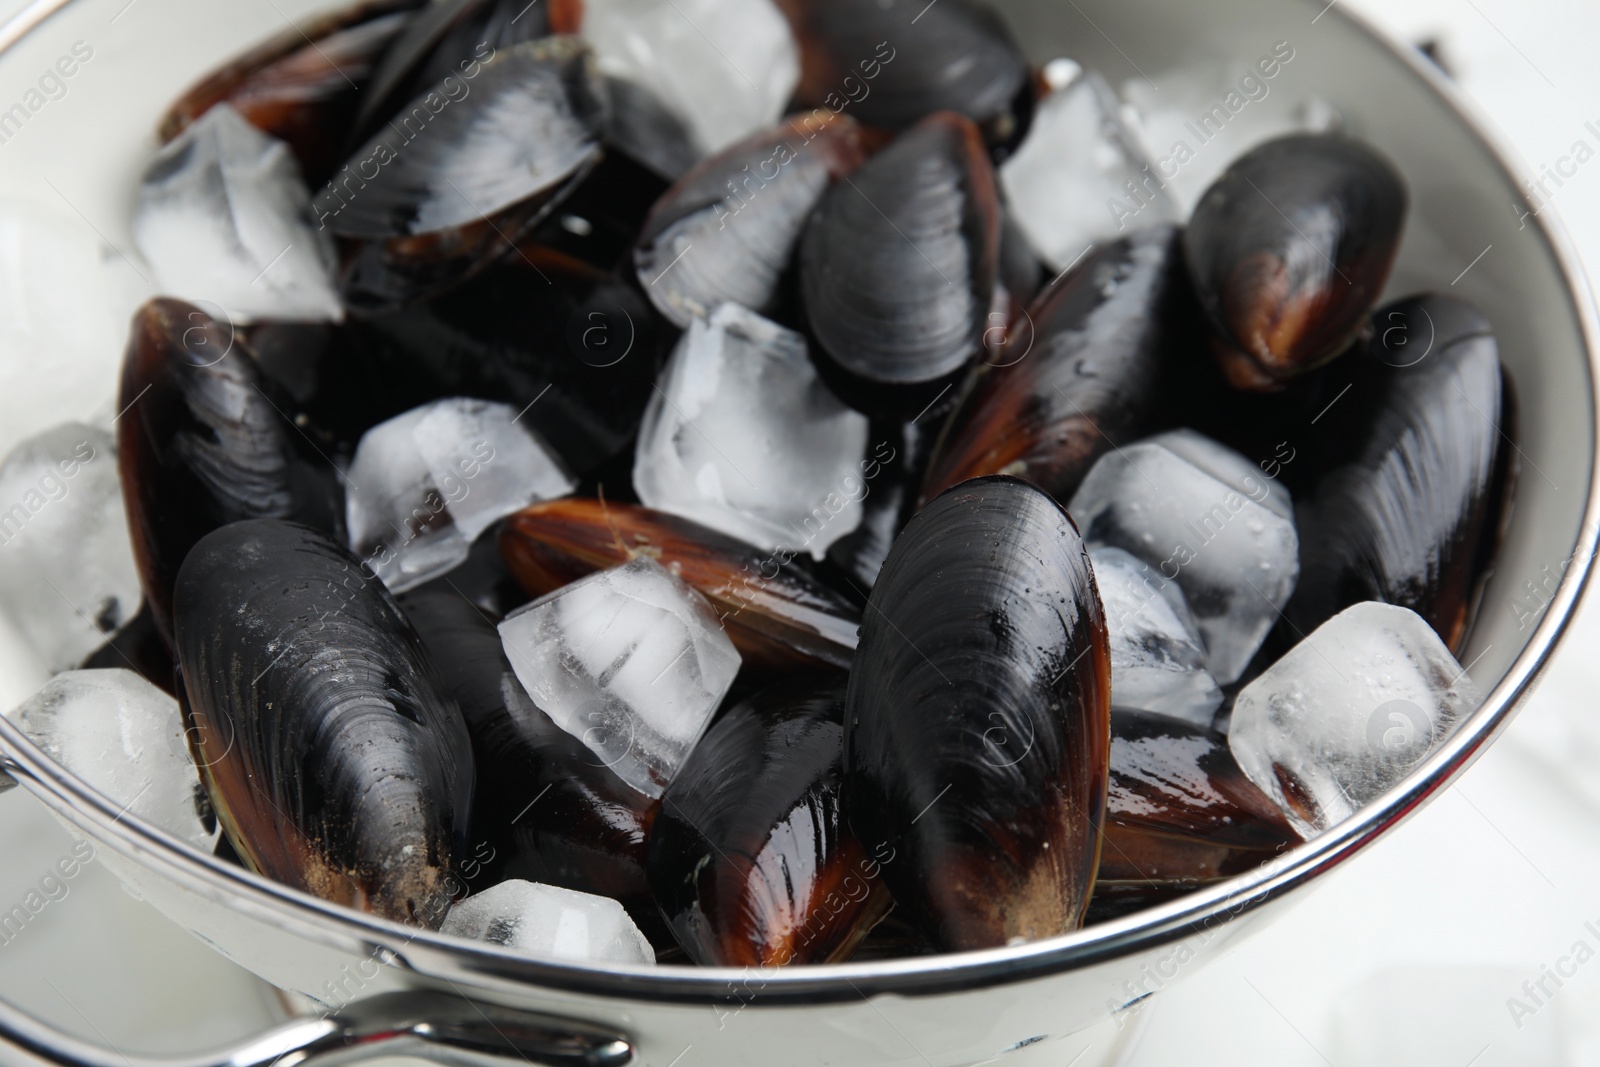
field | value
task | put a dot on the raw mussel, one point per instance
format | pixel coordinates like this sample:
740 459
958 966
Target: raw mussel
201 443
776 614
750 858
335 760
978 715
892 474
1289 251
898 267
139 647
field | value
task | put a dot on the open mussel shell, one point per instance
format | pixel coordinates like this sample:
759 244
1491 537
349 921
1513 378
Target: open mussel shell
776 614
750 859
978 715
1414 514
201 442
898 267
727 231
334 759
1289 250
1086 368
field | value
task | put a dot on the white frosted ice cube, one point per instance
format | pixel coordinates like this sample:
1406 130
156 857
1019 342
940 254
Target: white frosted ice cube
544 920
1158 658
424 484
67 576
225 218
630 661
124 737
1347 712
727 67
1207 518
1068 185
743 437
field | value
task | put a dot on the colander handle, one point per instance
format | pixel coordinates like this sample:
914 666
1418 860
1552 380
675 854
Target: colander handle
436 1027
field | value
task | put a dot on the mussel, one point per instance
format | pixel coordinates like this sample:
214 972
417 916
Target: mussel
1084 371
892 474
1414 514
750 859
335 760
776 614
1289 250
727 230
978 715
137 646
898 267
202 443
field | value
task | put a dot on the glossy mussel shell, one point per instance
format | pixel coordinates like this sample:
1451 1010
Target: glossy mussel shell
977 718
777 615
1289 250
750 859
335 760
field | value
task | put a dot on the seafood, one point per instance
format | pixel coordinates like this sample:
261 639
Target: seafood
201 443
978 718
335 760
892 474
137 646
750 858
898 267
776 614
1289 251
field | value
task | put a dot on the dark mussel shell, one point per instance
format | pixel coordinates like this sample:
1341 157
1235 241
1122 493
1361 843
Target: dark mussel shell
1415 515
892 471
643 127
138 647
750 858
776 614
727 231
547 807
898 267
1180 813
335 760
978 715
1289 250
302 86
893 62
201 443
1085 370
459 174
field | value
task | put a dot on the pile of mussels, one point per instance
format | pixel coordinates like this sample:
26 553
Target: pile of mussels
618 521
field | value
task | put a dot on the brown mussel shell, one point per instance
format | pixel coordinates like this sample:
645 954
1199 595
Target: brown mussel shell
898 268
331 753
750 859
1290 249
777 615
977 718
1084 370
201 442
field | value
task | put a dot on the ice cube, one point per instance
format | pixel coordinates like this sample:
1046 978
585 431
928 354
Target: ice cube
124 737
630 661
224 218
727 67
743 437
67 576
544 920
424 484
1080 176
1347 712
1158 658
1206 518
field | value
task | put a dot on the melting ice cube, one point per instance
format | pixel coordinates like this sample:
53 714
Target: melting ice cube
543 920
1157 655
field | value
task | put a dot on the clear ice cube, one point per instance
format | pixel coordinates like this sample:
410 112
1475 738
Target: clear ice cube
1347 712
225 219
743 437
1080 177
1208 519
1158 658
124 737
67 576
727 67
544 920
424 484
630 661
